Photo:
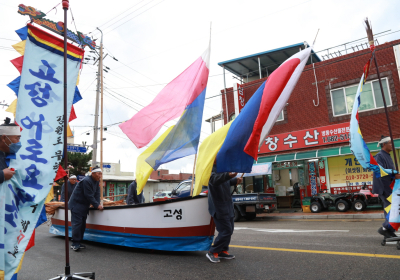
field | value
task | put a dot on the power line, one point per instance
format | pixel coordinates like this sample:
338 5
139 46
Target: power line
126 15
136 16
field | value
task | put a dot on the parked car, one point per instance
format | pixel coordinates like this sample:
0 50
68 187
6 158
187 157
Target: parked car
161 196
245 205
183 189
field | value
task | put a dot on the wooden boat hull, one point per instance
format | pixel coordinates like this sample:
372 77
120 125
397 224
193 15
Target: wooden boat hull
172 225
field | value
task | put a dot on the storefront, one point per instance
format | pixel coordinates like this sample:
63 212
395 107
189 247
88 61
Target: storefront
335 170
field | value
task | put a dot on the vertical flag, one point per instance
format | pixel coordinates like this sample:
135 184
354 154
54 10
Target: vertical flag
170 103
364 156
39 113
236 144
182 139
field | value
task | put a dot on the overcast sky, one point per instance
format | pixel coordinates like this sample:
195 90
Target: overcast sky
155 40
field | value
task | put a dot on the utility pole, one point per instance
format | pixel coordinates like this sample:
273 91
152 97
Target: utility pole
96 116
101 117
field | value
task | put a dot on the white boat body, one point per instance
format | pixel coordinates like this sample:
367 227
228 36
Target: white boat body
172 225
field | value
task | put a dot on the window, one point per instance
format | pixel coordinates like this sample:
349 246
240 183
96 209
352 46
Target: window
232 117
371 97
158 172
280 117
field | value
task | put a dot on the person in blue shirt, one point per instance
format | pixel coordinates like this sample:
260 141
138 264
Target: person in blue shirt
10 135
71 183
85 193
381 185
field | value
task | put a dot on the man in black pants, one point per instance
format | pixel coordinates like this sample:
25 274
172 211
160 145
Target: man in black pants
220 206
85 193
381 185
133 197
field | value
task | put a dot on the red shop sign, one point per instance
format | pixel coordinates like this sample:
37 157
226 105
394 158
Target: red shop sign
318 136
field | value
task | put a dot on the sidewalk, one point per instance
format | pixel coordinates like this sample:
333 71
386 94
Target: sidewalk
282 214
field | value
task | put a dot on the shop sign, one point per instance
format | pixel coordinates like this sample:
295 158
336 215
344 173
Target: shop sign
312 173
337 190
319 136
260 169
111 190
322 174
347 171
238 95
284 164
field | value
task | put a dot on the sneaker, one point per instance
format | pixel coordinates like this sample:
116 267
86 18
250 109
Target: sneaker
75 247
392 234
385 233
225 255
81 246
213 257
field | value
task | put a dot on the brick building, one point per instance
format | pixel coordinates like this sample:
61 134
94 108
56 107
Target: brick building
309 143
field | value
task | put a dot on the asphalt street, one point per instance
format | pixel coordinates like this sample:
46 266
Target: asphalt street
264 249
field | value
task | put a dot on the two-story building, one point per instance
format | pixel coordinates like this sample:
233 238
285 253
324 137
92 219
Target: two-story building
309 143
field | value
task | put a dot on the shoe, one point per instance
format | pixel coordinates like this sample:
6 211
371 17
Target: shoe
225 255
213 257
81 246
75 247
392 234
385 233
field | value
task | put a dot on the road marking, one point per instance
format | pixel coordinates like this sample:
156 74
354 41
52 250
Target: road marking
329 220
287 230
319 252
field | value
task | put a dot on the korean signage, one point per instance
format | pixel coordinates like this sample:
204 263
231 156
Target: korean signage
319 136
76 149
312 173
345 170
238 95
285 164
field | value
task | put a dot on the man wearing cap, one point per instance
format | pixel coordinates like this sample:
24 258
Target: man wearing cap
85 193
71 183
10 135
381 185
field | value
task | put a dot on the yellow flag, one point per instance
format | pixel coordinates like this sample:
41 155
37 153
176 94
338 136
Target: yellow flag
50 195
69 131
20 47
205 159
143 169
12 108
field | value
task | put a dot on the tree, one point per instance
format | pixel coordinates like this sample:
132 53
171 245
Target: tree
80 162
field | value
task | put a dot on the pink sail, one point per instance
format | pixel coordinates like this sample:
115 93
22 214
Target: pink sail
169 103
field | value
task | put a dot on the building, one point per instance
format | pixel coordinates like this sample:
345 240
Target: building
116 182
309 143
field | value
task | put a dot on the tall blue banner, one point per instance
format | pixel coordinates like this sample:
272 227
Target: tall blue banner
40 115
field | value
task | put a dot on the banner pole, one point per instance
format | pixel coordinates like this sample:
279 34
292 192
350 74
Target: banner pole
194 166
65 4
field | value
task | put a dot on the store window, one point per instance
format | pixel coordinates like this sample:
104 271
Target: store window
232 117
371 97
280 118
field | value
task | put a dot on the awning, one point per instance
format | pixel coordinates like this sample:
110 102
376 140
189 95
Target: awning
260 169
332 152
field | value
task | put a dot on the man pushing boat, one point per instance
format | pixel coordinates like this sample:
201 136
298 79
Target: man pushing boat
220 206
85 193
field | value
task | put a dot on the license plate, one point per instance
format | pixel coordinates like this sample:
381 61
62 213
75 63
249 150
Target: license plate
266 207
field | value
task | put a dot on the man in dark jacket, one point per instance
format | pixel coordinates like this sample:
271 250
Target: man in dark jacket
9 144
381 185
85 193
71 183
220 207
133 197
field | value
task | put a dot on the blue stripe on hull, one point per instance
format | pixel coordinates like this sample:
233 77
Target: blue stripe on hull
191 243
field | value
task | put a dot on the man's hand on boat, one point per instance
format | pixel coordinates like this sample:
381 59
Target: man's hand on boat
233 175
100 207
8 173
